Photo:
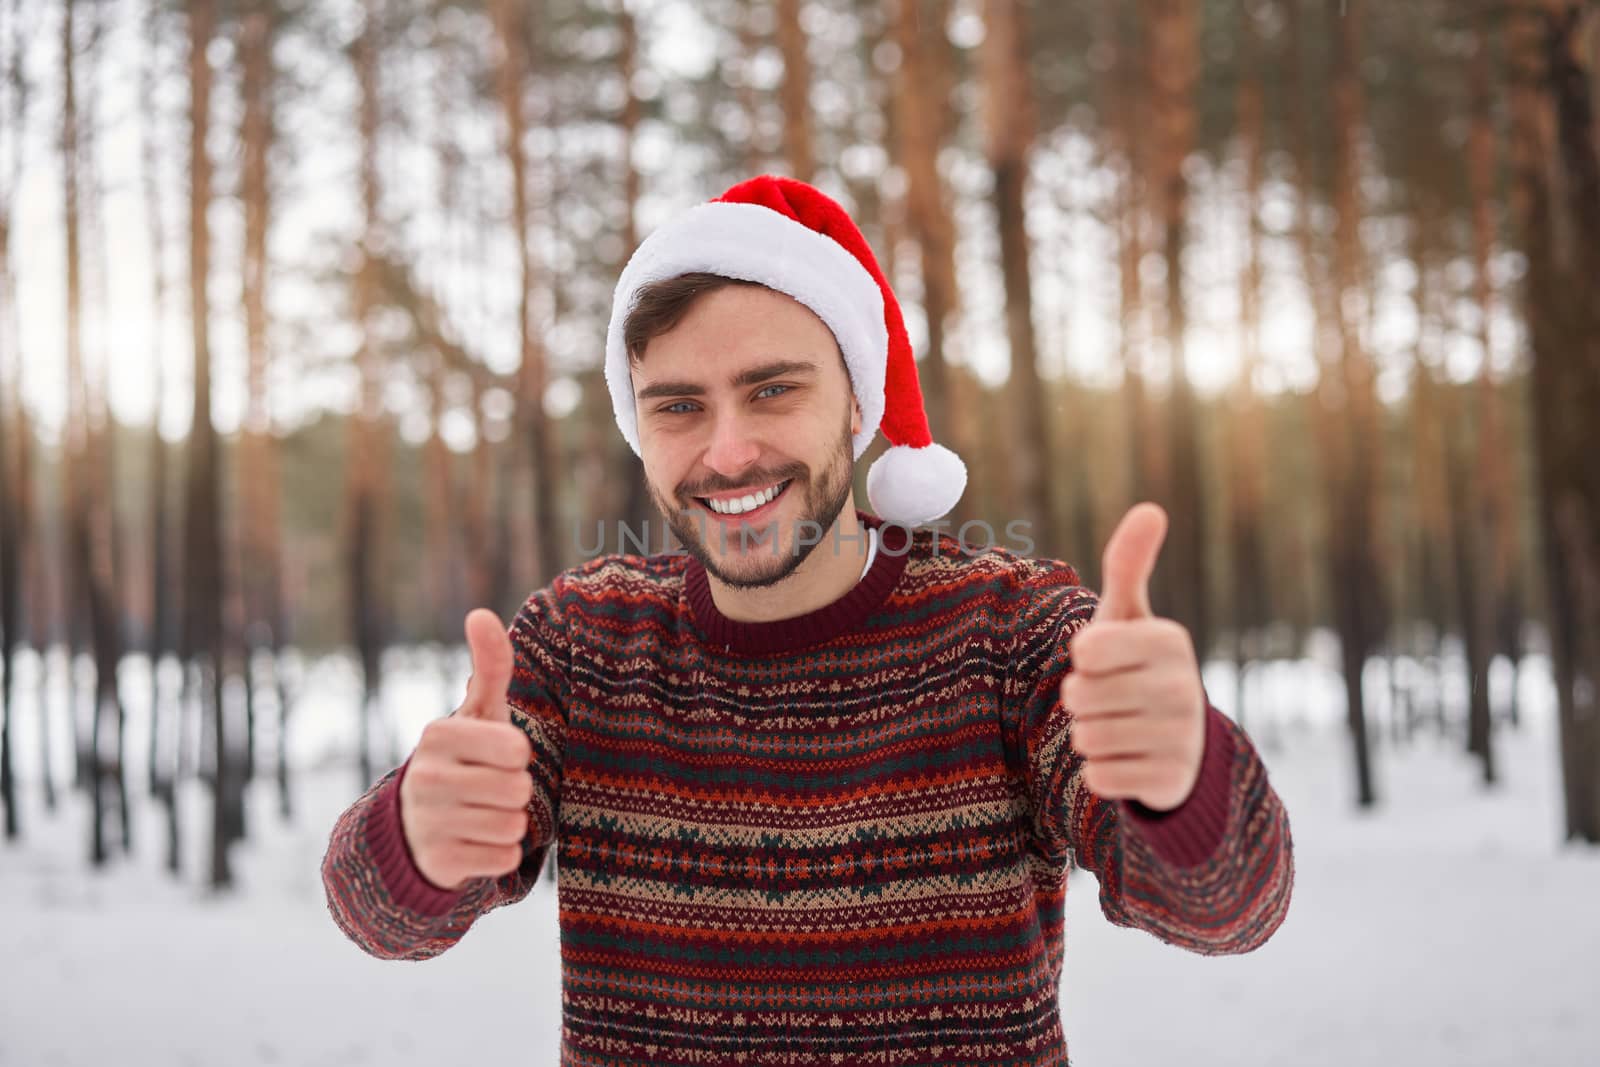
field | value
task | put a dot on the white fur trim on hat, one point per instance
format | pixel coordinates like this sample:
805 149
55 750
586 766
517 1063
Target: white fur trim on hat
913 486
756 244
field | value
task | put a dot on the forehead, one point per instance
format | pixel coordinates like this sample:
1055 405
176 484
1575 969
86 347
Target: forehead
731 333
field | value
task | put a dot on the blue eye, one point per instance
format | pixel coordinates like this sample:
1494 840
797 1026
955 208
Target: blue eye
785 388
680 404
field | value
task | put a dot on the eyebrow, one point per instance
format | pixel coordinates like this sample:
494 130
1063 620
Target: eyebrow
752 376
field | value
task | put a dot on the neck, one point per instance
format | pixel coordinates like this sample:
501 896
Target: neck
828 573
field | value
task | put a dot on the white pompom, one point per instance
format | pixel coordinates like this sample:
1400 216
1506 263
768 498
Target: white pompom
912 486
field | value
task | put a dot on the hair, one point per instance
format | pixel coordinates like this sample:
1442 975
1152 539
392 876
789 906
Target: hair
660 306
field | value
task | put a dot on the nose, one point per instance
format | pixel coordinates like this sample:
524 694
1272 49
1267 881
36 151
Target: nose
733 447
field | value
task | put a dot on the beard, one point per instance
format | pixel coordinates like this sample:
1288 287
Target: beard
762 559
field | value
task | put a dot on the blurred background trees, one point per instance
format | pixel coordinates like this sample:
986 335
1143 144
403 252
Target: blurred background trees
1317 275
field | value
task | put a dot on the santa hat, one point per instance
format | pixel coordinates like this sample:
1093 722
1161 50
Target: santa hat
791 237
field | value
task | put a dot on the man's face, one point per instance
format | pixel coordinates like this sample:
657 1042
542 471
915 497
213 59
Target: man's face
745 398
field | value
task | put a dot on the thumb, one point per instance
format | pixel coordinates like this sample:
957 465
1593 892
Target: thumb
490 647
1129 560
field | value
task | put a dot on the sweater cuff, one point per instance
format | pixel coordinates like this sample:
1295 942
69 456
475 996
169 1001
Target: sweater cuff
1189 834
397 869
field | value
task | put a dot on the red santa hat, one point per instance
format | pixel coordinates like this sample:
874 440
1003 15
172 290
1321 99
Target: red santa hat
791 237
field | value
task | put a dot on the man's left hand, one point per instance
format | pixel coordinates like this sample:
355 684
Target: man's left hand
1138 710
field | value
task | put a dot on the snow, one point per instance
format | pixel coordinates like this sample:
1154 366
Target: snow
1448 926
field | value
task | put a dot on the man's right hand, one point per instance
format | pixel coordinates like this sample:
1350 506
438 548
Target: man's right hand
464 798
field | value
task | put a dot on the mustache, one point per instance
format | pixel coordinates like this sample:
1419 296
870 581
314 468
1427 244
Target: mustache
755 480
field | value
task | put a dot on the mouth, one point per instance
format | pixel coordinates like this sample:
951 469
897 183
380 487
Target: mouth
745 507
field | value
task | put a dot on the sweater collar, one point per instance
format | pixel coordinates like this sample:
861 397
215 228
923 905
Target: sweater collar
813 627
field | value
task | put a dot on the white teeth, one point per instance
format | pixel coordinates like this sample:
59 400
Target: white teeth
748 502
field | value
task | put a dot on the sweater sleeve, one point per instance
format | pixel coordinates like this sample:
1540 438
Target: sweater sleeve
1214 875
375 893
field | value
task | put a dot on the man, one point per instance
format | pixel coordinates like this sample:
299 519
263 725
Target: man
815 784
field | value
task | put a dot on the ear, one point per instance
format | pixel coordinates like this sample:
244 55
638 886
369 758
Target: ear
855 415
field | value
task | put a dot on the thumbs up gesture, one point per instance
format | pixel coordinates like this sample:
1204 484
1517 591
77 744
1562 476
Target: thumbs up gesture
1134 694
464 797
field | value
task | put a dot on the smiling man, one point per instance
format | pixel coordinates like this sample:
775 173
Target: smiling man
814 784
747 456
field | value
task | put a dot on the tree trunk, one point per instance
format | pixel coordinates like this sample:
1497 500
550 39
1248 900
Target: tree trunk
1357 577
202 522
1172 54
10 598
919 33
635 499
1496 473
1121 92
1427 531
1332 410
260 533
16 510
511 71
86 503
161 770
1008 141
365 462
754 150
1554 152
795 91
1247 438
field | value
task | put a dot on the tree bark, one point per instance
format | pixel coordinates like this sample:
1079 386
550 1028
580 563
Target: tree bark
1172 51
86 503
511 75
1497 475
16 507
367 455
1009 125
1121 94
919 33
160 769
258 478
636 506
202 524
795 92
1553 153
1247 436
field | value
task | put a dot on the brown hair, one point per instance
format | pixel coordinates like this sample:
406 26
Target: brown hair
660 306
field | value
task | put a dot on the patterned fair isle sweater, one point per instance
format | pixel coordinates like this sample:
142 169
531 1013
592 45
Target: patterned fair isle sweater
840 838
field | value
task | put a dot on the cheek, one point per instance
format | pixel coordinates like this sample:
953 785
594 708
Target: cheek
657 462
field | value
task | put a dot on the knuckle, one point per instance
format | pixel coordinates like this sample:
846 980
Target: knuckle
423 773
512 740
514 825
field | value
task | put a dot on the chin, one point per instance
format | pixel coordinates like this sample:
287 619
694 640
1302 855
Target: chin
759 565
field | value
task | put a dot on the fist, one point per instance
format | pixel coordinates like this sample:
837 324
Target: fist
1134 693
464 798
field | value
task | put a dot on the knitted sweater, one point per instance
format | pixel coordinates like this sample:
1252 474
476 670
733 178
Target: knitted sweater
840 838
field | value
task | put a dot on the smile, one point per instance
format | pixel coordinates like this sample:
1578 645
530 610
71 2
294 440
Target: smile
740 505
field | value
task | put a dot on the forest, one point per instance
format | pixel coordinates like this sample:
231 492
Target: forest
303 306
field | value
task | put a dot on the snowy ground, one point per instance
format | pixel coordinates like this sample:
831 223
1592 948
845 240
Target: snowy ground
1447 927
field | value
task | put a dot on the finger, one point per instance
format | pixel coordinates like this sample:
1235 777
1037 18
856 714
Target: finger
1114 647
1122 779
490 647
1129 560
488 744
465 784
480 861
1117 737
1149 688
489 826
